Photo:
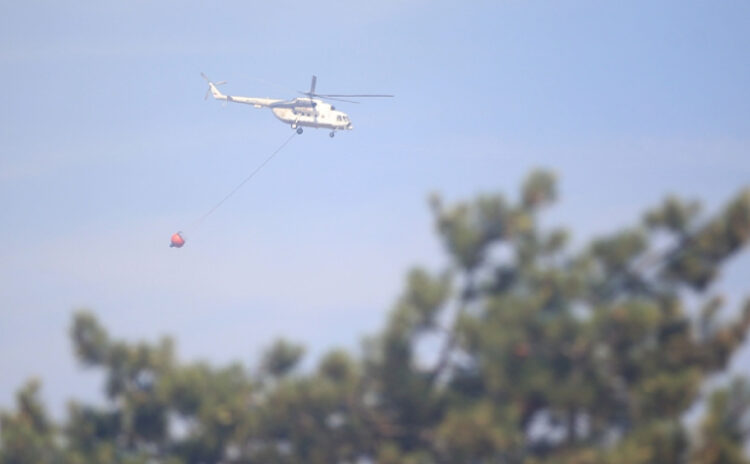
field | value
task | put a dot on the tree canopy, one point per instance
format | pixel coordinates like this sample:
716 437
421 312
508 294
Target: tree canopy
546 353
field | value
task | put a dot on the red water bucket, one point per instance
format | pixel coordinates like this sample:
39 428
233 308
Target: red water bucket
176 241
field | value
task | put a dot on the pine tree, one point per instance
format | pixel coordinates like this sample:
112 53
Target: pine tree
547 353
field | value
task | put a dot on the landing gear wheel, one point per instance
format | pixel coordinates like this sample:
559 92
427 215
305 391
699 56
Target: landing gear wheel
331 134
299 130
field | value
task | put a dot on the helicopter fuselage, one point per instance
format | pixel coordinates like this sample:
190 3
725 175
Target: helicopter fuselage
311 113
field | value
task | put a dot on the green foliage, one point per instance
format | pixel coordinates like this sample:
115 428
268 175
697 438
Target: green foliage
546 354
282 357
539 189
697 262
673 215
27 435
725 427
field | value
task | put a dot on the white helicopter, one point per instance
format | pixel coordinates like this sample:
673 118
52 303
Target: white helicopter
298 112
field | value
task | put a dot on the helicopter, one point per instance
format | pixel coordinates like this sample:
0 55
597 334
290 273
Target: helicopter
299 112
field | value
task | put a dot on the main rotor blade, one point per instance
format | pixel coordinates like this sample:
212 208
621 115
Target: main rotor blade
312 84
325 97
337 99
369 95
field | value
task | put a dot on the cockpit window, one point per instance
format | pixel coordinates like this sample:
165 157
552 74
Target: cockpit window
338 117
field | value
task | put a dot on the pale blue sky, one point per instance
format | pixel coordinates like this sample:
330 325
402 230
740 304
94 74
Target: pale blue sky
107 147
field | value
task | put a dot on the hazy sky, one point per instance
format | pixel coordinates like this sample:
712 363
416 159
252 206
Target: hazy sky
107 147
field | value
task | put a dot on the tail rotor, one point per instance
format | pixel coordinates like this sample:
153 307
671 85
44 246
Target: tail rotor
211 85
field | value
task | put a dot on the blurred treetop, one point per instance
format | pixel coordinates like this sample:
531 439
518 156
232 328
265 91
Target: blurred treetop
546 354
